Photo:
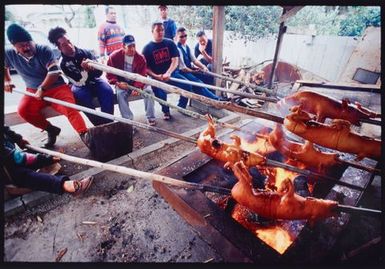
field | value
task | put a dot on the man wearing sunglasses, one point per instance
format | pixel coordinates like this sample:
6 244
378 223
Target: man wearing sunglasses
186 61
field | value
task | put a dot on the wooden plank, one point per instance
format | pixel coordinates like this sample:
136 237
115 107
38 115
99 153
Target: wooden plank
341 86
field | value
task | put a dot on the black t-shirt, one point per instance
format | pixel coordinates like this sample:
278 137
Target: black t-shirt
209 50
159 55
72 69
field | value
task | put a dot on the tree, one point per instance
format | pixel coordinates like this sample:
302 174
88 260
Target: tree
8 16
359 19
89 16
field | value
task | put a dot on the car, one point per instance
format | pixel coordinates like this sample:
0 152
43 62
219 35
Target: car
39 38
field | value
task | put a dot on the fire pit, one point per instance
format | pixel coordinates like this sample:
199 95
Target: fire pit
239 234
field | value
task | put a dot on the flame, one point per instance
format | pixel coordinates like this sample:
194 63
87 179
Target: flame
276 237
260 146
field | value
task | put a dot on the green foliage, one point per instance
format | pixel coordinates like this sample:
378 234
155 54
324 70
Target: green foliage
8 16
358 19
252 22
89 17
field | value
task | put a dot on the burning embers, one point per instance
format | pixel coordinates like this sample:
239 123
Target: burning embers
269 201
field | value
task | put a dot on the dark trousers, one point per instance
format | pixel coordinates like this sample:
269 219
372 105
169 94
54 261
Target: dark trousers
101 90
199 90
163 95
28 178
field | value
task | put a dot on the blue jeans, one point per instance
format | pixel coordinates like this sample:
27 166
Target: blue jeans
207 79
124 107
100 89
163 95
199 90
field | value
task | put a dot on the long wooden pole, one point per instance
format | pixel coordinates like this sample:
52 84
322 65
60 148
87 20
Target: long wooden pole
112 117
132 172
191 113
168 180
243 94
172 89
262 89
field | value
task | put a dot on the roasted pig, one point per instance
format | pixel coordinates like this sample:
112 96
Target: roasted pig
335 136
304 153
326 107
228 153
283 204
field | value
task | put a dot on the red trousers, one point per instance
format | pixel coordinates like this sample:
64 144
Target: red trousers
30 108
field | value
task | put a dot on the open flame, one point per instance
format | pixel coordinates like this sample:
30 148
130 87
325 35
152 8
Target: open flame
276 237
261 146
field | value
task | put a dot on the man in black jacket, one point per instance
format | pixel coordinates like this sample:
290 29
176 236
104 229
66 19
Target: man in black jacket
86 82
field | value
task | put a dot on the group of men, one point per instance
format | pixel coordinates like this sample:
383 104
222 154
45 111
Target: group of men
161 59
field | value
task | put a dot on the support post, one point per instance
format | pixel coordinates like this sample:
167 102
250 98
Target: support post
282 30
218 34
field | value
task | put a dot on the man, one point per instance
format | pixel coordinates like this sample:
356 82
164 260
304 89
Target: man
203 52
86 82
128 59
37 66
185 65
110 34
162 63
19 168
168 24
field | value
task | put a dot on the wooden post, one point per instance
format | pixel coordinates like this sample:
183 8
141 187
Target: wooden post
218 33
282 30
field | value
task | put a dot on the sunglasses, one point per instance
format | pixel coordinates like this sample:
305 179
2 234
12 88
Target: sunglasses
182 36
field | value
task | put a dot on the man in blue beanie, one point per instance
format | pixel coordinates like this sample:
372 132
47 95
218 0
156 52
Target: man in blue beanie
37 65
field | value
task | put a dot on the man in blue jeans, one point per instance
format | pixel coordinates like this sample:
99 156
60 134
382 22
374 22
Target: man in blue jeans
162 58
186 68
86 82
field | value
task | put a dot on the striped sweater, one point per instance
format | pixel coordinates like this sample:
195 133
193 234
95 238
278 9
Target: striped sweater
110 37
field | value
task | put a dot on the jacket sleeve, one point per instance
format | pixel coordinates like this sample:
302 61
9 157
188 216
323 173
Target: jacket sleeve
112 79
95 73
142 70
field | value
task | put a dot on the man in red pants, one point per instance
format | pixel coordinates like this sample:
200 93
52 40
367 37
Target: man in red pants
37 66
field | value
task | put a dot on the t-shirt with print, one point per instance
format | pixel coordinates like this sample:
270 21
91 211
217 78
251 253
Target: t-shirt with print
159 55
34 70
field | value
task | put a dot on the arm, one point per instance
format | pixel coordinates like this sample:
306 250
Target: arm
182 65
8 86
112 79
206 56
174 64
197 63
85 66
102 42
141 70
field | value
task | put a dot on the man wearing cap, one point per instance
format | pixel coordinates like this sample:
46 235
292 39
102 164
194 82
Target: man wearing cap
110 34
168 24
86 81
162 58
37 66
128 59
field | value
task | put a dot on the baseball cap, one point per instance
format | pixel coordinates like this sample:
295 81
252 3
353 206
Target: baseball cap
128 40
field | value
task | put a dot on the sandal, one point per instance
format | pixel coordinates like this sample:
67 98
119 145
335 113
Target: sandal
166 116
82 185
151 122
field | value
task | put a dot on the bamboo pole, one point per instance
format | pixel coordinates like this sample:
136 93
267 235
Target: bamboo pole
172 89
255 87
309 173
189 113
112 117
243 94
134 173
171 181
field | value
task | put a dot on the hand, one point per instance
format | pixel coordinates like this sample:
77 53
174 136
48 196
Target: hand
22 143
205 69
86 66
55 159
135 93
8 86
39 93
166 76
122 85
202 47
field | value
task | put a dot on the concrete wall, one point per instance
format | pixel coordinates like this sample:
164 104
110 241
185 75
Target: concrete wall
325 56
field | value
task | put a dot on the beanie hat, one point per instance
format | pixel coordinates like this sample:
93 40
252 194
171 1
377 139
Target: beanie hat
17 33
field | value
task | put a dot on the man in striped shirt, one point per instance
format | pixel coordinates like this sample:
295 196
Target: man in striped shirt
110 34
